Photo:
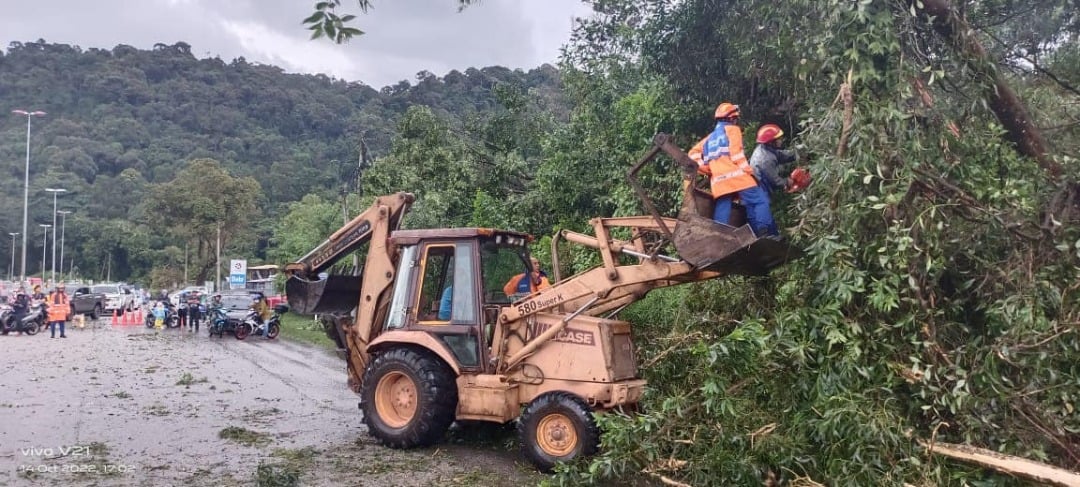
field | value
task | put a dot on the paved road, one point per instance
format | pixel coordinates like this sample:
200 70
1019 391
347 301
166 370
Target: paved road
125 405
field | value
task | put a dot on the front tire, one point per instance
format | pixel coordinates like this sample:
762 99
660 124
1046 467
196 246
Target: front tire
242 331
272 330
33 329
96 313
409 398
557 427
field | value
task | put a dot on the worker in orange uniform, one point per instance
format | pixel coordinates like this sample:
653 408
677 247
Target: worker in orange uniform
527 282
59 309
720 157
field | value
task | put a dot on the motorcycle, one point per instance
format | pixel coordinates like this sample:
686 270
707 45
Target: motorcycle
30 324
220 323
271 327
167 314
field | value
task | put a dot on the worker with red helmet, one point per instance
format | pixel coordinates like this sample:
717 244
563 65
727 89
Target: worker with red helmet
720 157
769 160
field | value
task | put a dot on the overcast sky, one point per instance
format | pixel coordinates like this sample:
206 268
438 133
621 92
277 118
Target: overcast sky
402 37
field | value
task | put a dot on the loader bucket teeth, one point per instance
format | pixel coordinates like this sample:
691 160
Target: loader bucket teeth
708 245
337 295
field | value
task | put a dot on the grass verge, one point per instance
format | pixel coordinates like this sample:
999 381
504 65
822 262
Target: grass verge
304 329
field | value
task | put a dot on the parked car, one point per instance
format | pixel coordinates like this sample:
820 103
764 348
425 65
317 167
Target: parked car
177 296
236 303
117 297
86 302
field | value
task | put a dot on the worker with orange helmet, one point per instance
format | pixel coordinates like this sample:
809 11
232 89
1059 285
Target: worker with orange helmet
769 160
720 157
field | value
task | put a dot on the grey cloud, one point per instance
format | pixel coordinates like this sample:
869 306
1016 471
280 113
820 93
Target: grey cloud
402 37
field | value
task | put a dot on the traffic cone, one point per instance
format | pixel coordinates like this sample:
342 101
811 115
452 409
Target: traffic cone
114 321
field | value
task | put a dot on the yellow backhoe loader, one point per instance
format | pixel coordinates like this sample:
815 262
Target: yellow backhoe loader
430 336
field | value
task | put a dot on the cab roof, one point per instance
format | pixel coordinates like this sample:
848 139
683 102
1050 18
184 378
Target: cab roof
411 237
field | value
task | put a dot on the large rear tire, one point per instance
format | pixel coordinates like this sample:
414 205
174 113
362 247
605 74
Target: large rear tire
557 427
409 398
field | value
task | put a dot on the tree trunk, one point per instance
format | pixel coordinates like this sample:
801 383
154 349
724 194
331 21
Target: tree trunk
1008 108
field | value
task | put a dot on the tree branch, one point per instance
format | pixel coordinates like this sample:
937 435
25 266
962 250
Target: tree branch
1007 107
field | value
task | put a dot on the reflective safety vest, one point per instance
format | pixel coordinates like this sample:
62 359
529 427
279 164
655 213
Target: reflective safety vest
59 308
522 284
720 157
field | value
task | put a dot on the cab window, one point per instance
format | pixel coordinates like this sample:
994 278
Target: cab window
447 285
500 261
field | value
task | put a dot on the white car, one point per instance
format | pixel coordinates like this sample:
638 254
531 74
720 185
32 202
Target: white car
175 296
117 297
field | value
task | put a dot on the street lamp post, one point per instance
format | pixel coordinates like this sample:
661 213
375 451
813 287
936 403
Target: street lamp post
11 270
44 247
55 192
63 226
26 184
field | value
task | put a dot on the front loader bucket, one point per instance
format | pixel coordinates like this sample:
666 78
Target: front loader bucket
708 245
336 295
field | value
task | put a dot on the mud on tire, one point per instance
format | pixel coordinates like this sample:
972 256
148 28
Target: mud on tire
409 398
557 427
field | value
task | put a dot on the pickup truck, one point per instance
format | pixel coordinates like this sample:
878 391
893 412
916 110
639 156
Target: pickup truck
85 302
117 297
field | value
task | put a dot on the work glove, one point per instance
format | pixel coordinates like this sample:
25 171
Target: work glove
799 180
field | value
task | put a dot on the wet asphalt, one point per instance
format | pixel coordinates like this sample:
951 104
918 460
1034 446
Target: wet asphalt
127 405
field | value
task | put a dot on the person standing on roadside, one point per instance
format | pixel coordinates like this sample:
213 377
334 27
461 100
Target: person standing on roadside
59 309
193 311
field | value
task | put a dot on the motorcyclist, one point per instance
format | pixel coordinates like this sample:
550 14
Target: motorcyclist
262 309
215 303
20 305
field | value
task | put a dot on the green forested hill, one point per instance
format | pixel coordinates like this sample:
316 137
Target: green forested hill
122 120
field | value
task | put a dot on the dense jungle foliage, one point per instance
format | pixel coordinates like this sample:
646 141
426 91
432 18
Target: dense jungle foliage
938 298
157 148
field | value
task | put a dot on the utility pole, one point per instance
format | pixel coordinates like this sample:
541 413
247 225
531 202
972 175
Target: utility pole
185 263
26 186
217 276
44 248
63 225
11 271
55 192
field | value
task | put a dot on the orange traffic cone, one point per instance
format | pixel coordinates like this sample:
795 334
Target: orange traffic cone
114 318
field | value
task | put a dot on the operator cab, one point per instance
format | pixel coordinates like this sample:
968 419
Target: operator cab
450 284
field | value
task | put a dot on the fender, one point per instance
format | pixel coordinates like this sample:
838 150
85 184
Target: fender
422 339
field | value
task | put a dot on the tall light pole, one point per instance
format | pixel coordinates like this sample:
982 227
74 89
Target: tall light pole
63 226
44 247
26 185
11 270
55 192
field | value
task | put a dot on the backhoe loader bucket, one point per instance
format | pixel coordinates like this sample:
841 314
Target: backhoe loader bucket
336 295
700 241
708 245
